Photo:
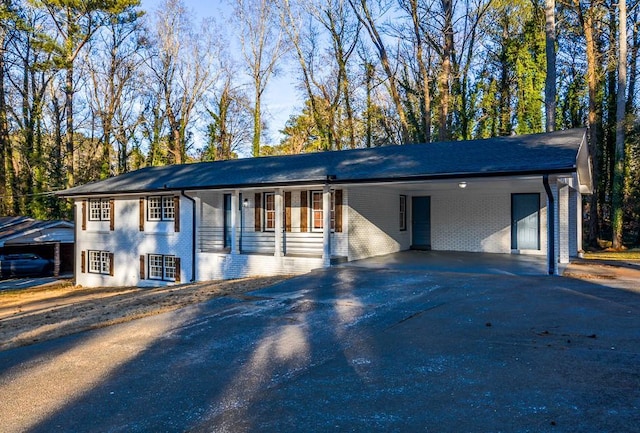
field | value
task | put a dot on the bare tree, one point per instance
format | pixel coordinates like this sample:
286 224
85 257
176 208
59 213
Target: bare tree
112 64
368 20
75 23
263 45
183 69
229 128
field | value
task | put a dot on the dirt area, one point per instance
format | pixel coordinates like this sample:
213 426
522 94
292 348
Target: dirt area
624 271
43 313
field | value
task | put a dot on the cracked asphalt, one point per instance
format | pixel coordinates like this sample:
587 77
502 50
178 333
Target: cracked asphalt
348 349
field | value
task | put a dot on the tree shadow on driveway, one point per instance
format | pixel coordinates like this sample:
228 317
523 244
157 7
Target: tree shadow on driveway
349 349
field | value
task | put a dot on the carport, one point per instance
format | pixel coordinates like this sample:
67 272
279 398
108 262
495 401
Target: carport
52 240
458 262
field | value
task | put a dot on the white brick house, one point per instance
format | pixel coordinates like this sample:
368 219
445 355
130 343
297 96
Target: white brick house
291 214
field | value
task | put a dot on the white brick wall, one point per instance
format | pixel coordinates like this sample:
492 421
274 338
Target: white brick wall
468 221
128 243
477 219
214 266
374 225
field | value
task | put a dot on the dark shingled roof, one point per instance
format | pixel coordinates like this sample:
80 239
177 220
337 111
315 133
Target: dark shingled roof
547 153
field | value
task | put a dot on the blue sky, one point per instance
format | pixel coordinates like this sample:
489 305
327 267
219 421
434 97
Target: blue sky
281 97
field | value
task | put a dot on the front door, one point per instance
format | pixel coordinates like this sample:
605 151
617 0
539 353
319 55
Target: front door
421 223
525 221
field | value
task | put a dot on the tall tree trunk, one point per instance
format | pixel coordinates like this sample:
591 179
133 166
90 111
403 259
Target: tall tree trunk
593 117
423 73
257 121
618 174
445 73
69 92
504 108
6 178
633 62
369 73
550 81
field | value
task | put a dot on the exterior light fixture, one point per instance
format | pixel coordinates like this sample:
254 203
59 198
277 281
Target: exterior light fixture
245 202
462 185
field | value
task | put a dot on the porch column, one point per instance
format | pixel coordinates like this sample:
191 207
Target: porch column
326 226
574 210
56 259
579 216
235 219
279 202
552 224
563 223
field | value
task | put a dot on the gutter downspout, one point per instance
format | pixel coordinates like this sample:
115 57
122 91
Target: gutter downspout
193 235
551 226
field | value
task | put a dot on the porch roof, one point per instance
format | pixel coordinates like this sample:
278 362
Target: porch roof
535 154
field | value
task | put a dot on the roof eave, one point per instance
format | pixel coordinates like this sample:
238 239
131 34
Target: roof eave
336 181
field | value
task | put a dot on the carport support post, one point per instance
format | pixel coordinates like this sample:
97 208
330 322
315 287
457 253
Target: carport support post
56 259
326 226
235 219
551 226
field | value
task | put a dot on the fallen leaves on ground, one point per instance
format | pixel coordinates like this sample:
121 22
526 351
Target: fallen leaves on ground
33 315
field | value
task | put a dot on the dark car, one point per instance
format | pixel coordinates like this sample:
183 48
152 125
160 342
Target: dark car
27 264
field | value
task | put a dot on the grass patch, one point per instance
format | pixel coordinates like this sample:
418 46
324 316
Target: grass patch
613 255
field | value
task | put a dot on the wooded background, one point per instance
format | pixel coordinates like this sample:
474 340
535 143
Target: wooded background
94 88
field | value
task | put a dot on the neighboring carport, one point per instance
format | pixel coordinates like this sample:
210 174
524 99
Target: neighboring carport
51 240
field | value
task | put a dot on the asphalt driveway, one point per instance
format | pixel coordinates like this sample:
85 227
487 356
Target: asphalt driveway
348 349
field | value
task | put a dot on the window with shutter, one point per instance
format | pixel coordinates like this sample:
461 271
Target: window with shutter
176 213
111 264
287 211
337 204
142 267
317 210
177 269
84 214
112 222
304 211
141 225
162 267
257 210
100 262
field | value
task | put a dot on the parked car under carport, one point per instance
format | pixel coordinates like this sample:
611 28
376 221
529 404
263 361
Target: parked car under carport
25 264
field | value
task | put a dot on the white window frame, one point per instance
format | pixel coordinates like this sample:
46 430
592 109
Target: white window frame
269 212
99 209
161 208
312 210
403 213
162 267
99 262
